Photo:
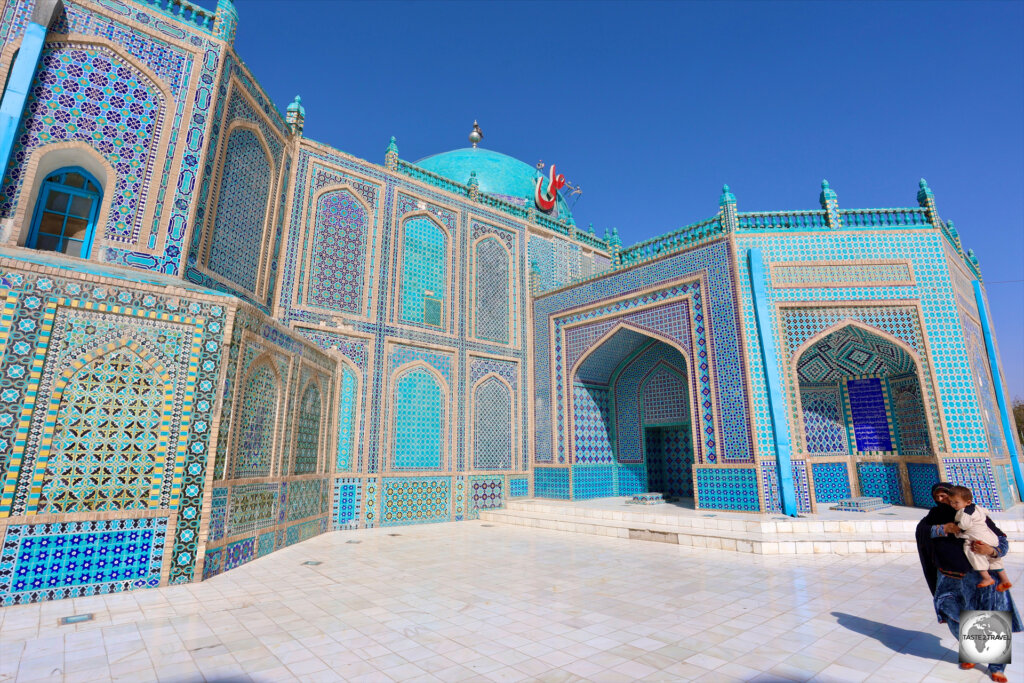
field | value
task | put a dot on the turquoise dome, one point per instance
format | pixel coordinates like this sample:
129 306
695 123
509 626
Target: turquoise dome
497 173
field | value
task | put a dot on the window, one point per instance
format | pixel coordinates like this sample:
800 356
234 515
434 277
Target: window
65 215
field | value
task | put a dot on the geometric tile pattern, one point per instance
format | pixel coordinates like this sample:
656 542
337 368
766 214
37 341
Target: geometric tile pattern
307 442
861 274
253 507
978 355
91 95
415 500
593 481
664 398
831 481
732 488
419 406
237 239
975 474
307 498
824 431
631 479
591 425
922 477
72 559
770 484
108 447
425 253
346 419
881 480
492 295
255 439
551 482
485 493
908 411
347 502
852 351
629 434
492 425
518 487
337 261
669 456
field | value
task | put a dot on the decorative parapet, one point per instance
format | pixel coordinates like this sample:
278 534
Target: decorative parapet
884 218
467 191
474 186
972 262
683 238
186 12
782 220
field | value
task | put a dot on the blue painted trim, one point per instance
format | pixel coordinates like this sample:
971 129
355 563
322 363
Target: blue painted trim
997 381
780 426
22 72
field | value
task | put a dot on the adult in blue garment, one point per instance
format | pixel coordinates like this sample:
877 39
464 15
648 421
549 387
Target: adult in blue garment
952 581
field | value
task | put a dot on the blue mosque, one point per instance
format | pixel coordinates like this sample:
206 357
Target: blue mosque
238 338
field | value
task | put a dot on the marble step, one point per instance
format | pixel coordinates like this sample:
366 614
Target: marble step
739 540
1010 522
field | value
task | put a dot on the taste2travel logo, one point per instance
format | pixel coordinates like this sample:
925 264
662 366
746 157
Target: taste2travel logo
984 637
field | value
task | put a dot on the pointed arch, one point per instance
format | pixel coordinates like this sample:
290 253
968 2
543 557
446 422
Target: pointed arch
308 429
349 414
336 267
792 365
239 233
425 253
254 441
492 423
108 440
492 289
419 399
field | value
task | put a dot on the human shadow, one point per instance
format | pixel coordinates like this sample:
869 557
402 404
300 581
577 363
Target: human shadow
904 641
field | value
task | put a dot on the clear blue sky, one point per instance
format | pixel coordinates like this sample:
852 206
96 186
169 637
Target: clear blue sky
651 107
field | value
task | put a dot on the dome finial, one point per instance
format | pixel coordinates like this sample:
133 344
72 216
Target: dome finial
476 135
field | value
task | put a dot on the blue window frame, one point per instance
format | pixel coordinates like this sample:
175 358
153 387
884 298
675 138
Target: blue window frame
65 215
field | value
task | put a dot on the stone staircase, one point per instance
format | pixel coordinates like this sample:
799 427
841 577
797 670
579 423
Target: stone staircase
750 533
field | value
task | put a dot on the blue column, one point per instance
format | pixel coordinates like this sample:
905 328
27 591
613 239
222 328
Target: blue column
780 426
22 72
997 380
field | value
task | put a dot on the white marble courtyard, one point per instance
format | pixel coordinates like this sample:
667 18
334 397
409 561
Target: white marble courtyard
467 601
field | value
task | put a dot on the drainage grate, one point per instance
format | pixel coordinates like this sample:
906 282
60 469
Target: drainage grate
710 515
394 534
487 525
312 563
75 619
353 541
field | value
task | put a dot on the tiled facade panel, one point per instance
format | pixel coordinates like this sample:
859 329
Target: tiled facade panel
105 103
424 260
419 405
356 341
823 421
592 425
492 422
337 257
629 427
238 226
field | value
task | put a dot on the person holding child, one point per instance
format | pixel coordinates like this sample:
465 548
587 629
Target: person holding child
954 583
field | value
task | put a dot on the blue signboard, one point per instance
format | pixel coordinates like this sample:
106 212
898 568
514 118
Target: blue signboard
867 407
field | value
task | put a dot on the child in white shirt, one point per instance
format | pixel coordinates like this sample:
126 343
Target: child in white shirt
971 519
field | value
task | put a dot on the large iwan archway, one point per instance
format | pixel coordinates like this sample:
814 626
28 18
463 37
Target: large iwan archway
862 424
631 407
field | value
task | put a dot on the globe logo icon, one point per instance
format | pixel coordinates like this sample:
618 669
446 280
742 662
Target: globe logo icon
985 637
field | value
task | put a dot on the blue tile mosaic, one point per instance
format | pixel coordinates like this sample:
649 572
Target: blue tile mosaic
831 481
880 480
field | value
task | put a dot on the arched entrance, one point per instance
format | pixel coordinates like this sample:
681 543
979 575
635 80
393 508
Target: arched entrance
632 407
862 423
